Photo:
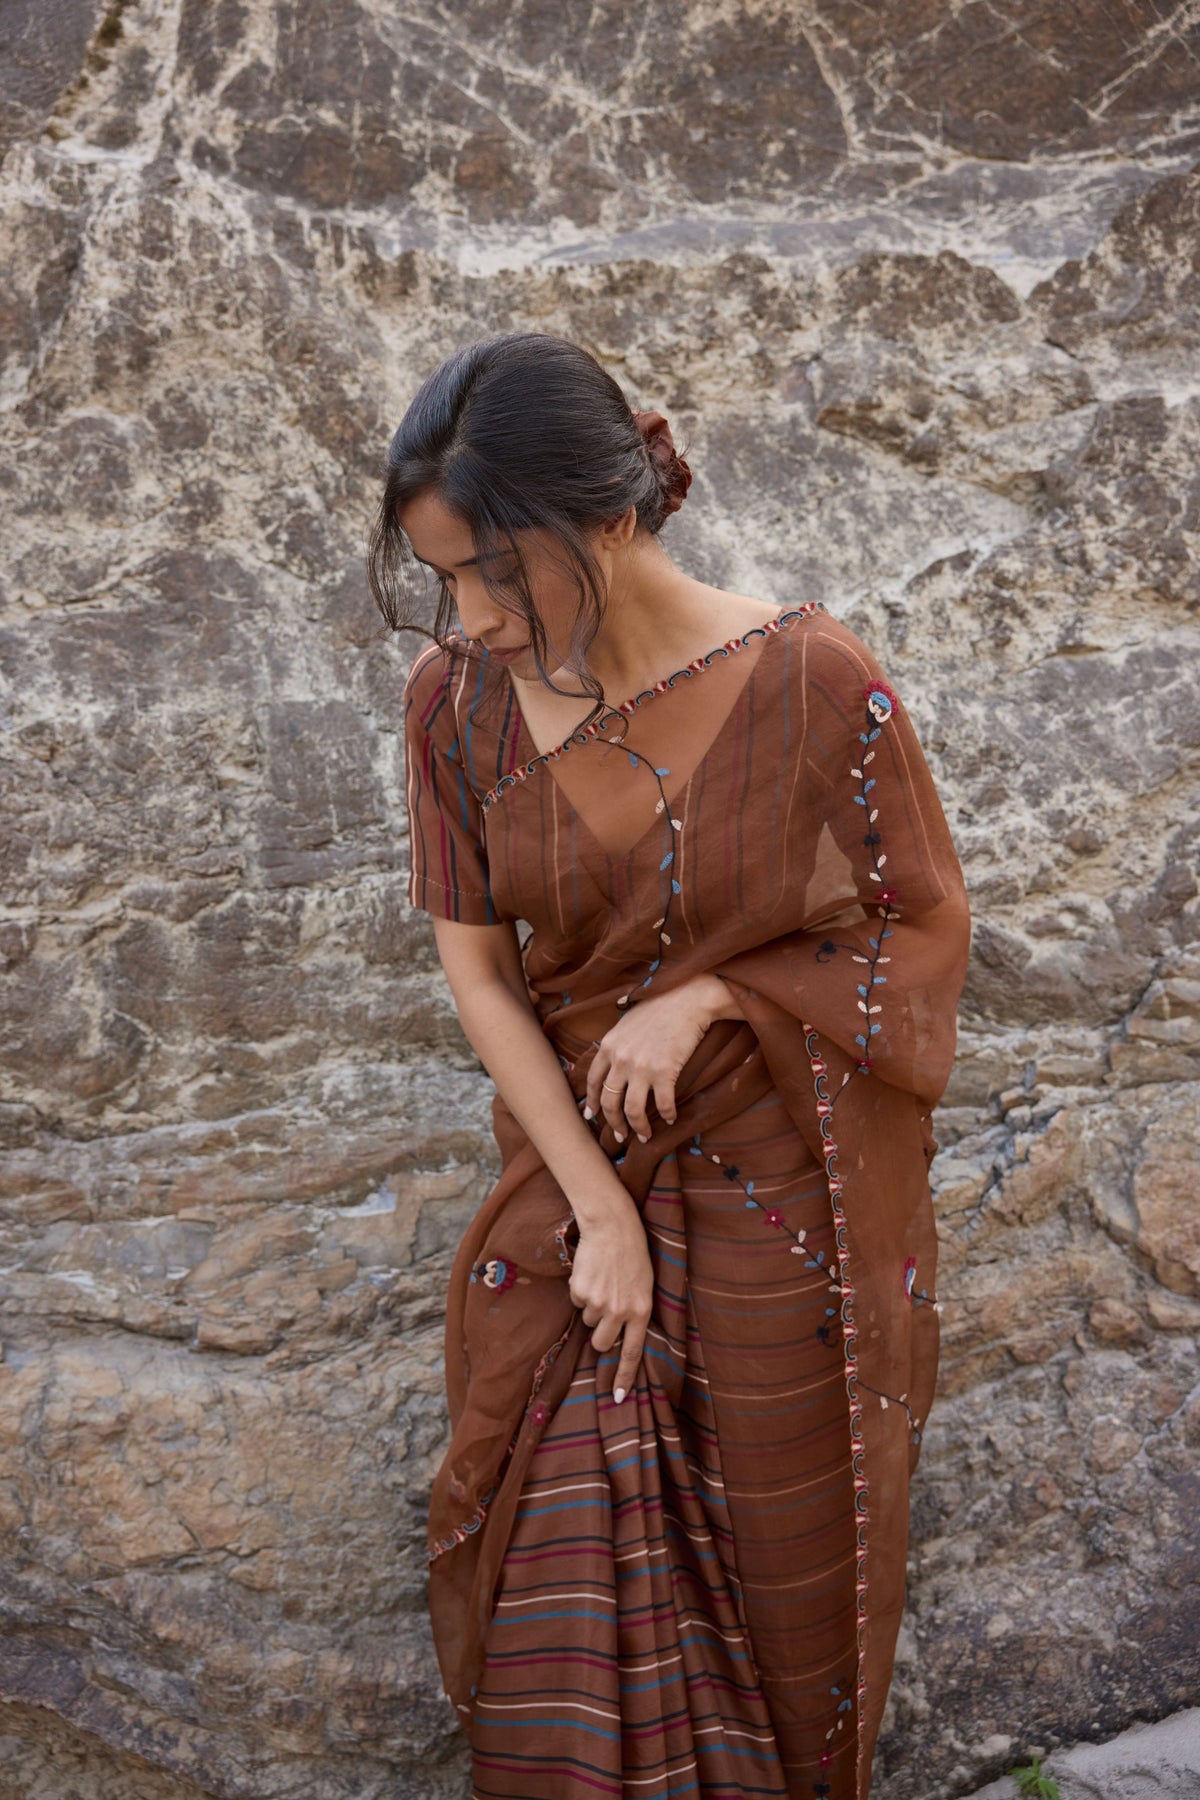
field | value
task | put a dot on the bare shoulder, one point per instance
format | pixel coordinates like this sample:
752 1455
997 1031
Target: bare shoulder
740 613
755 611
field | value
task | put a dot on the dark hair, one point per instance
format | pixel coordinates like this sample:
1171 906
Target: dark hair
518 431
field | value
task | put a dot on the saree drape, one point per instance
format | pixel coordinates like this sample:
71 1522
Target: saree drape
698 1592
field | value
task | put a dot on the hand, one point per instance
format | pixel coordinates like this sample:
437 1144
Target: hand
647 1049
612 1282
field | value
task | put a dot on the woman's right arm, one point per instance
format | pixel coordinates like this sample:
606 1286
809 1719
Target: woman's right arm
611 1277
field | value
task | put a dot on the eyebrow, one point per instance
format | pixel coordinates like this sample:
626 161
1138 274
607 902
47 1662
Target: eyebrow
492 556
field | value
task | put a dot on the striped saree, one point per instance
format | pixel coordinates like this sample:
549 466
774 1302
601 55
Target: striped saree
698 1592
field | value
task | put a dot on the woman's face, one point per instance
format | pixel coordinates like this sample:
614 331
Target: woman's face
442 541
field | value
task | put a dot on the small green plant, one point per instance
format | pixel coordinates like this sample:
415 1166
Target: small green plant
1031 1781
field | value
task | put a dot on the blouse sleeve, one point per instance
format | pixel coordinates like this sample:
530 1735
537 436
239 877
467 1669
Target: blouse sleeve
448 872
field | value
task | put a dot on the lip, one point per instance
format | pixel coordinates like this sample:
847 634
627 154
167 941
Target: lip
507 656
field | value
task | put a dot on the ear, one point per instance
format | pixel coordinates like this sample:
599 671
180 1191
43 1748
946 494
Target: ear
616 533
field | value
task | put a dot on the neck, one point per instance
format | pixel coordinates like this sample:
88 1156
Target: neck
655 616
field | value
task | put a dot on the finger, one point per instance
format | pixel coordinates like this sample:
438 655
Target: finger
632 1344
596 1075
664 1098
612 1104
634 1106
606 1335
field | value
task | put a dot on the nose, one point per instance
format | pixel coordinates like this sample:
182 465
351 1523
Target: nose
485 636
480 616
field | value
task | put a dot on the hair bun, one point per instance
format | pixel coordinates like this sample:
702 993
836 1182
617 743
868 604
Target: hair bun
674 475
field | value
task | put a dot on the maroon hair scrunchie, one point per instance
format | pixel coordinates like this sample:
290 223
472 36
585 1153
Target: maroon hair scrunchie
673 471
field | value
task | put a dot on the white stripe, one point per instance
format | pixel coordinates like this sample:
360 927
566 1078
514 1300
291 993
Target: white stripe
648 1779
713 1481
770 1394
600 1712
623 1444
797 1488
755 1293
755 1737
656 1662
805 1674
775 1587
697 1537
571 1488
542 1598
464 671
730 1637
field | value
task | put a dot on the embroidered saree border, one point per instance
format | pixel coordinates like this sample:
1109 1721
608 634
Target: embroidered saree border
626 707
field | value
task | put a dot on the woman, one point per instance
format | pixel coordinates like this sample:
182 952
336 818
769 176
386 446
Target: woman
691 1339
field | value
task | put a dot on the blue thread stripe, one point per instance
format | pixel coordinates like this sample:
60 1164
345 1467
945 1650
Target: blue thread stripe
571 1612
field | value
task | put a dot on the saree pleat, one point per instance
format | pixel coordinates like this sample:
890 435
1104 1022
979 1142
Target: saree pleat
661 1547
698 1591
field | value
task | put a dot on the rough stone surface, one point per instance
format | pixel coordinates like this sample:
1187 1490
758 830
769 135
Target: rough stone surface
1147 1762
921 287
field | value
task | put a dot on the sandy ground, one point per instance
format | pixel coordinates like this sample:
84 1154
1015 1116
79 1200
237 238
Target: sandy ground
1147 1762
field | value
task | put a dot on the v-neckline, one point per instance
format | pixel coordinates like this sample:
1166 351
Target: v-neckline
769 628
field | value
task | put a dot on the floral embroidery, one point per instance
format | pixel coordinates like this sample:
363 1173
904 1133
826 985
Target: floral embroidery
881 704
666 866
536 1410
840 1284
772 1214
880 700
916 1294
850 1354
496 1272
566 1255
461 1532
597 731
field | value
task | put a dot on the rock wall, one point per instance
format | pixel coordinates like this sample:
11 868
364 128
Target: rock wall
921 286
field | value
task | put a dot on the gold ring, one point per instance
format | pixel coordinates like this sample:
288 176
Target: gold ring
613 1090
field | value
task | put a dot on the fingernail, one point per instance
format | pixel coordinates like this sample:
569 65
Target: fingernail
619 1135
618 1395
643 1138
588 1113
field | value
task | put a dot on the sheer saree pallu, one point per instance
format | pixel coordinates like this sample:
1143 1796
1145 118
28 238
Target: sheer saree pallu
698 1592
